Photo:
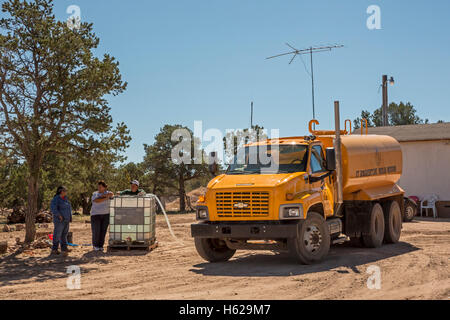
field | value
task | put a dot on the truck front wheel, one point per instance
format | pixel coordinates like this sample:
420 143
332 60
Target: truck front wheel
213 250
313 240
374 238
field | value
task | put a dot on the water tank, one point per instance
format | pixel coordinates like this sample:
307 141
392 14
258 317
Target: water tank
132 220
370 161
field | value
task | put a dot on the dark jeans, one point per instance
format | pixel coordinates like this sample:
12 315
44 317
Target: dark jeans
60 234
99 226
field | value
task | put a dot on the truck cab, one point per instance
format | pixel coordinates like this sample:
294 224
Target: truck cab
294 178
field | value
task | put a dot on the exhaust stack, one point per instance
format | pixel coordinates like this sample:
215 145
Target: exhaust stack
337 148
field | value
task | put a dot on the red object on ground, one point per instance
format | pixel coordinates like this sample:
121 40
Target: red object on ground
50 236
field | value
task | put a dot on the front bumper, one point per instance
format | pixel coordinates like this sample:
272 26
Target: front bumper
252 231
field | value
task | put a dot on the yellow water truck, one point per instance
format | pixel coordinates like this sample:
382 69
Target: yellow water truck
322 189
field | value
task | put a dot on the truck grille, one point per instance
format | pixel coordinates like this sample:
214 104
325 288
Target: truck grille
242 204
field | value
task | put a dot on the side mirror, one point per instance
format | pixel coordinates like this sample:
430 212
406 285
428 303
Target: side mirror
313 179
331 159
212 167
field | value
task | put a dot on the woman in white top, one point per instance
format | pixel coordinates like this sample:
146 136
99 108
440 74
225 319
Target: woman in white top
100 215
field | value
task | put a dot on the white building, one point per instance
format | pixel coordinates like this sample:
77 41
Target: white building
426 160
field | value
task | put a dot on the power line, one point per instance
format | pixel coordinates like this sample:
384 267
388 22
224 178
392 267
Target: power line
310 51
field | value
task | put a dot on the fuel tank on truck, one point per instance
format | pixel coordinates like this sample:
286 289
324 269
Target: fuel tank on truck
371 166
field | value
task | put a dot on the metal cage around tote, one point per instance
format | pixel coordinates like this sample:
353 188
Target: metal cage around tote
132 220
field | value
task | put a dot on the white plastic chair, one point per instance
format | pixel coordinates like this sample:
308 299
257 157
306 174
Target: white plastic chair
430 204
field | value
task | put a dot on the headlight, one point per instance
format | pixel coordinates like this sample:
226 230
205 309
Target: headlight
202 213
291 211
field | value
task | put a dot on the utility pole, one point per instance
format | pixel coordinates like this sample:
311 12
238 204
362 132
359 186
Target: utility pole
385 99
310 51
251 116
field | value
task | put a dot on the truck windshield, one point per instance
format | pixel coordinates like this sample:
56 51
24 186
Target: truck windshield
270 159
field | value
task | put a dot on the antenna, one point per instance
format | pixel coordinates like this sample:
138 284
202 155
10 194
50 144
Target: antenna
310 51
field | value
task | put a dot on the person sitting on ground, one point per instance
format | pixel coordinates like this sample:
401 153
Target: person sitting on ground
133 191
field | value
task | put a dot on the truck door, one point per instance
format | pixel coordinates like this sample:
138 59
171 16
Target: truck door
324 186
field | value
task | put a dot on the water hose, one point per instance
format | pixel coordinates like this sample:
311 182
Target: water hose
167 219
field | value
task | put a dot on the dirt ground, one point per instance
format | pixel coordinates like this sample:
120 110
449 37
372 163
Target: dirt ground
415 268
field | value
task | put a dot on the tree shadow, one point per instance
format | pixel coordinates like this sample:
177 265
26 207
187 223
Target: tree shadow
14 269
263 264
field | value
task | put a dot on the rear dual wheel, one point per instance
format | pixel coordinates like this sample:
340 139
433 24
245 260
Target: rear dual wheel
374 238
393 222
385 225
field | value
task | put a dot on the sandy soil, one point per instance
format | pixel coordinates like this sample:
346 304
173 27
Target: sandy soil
415 268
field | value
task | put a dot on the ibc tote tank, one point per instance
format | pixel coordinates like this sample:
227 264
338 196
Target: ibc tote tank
132 221
370 162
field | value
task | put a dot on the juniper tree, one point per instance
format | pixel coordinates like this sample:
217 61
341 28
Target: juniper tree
52 92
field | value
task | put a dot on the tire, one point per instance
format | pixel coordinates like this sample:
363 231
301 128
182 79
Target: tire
410 211
213 250
376 229
393 222
313 240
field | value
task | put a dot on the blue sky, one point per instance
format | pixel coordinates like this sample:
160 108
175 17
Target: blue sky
205 60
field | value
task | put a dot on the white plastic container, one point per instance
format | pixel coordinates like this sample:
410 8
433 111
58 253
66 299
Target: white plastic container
132 221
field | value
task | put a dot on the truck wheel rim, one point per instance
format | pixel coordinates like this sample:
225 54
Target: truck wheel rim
312 239
409 212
